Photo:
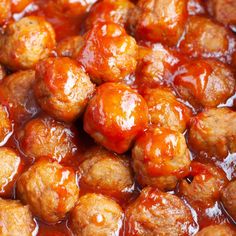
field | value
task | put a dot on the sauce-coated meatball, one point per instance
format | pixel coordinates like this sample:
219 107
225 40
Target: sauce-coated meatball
104 172
5 11
97 215
165 110
49 189
228 198
160 157
109 54
16 219
159 20
5 124
19 5
25 42
217 230
47 137
213 132
62 88
157 213
115 116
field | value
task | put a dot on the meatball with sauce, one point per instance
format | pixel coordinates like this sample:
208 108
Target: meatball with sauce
104 172
5 11
160 158
5 124
213 132
115 116
97 215
217 230
16 219
109 53
157 213
62 88
25 42
49 189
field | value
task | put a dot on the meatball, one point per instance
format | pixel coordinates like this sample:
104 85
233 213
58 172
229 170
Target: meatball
228 198
10 167
16 219
115 116
203 37
104 172
49 189
160 158
157 213
159 20
62 88
204 189
18 6
217 230
165 110
204 82
213 132
116 11
109 54
16 91
5 125
46 137
5 11
25 42
97 215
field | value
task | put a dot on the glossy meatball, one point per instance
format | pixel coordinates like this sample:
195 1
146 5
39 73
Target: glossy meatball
62 88
16 219
204 189
213 132
204 82
19 5
165 110
228 198
217 230
157 213
5 11
47 137
160 157
49 189
159 20
25 42
5 124
115 116
203 37
97 215
104 172
10 167
16 91
109 54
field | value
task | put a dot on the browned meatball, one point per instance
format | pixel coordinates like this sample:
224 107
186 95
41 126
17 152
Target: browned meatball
47 137
16 219
157 213
49 189
26 42
213 132
5 11
228 198
217 230
97 215
16 91
62 88
160 157
5 125
107 173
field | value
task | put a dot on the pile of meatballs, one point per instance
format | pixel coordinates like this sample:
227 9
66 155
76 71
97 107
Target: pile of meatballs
123 129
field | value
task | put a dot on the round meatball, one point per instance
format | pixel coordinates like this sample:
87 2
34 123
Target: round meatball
204 82
97 215
47 137
62 88
5 125
203 37
159 20
204 188
157 213
49 189
228 198
10 167
16 219
104 172
115 116
217 230
160 158
113 53
18 6
25 42
16 91
213 132
5 11
165 110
